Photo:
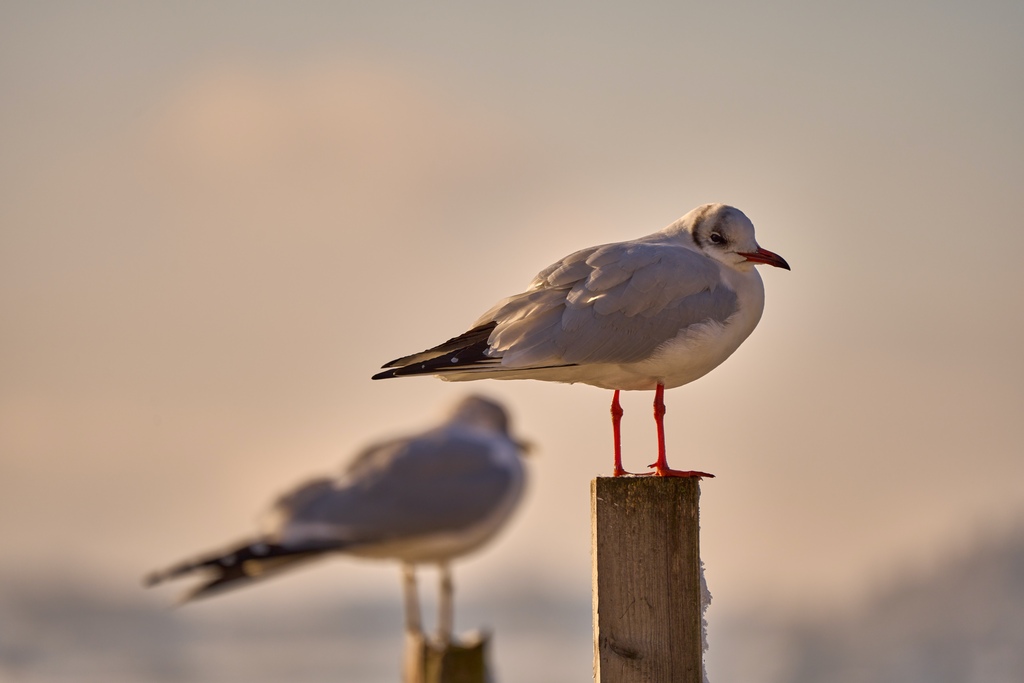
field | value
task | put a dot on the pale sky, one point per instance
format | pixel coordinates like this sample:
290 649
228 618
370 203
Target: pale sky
217 220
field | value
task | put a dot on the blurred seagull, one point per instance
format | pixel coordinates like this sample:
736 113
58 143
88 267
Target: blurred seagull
659 311
427 498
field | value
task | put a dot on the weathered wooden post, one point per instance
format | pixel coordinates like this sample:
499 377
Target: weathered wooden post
646 580
427 661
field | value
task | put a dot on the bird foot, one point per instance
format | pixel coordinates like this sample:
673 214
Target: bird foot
665 472
669 472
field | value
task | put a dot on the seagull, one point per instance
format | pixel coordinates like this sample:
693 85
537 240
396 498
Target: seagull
427 498
648 314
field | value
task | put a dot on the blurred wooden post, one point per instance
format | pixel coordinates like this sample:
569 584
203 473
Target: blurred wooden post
429 662
646 580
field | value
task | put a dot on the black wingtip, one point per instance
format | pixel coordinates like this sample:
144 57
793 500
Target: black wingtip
424 362
425 368
152 579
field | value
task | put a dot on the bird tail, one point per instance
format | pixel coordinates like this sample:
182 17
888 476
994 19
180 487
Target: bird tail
238 566
455 354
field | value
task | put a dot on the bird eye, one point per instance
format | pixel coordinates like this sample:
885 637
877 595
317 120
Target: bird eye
716 238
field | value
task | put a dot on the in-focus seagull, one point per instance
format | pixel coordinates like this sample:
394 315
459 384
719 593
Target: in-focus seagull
427 498
655 312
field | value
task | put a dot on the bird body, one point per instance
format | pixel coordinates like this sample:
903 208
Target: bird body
646 314
426 498
628 315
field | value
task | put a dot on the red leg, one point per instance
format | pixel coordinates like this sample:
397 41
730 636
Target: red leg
617 435
659 420
661 468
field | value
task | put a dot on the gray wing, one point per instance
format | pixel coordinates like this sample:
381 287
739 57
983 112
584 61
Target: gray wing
615 303
438 482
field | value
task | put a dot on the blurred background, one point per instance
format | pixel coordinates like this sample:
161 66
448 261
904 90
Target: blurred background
218 219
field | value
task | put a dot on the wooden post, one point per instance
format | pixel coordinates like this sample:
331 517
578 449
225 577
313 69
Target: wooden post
646 580
427 661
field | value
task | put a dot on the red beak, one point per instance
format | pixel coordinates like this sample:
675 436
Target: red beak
765 256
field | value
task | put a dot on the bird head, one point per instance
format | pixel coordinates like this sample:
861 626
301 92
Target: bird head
725 234
480 412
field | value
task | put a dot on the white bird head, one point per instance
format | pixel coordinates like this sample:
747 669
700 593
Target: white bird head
482 413
725 234
479 412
